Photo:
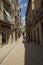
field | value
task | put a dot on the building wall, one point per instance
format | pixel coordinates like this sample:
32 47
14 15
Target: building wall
0 36
37 21
6 27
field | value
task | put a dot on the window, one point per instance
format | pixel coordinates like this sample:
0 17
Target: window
5 16
3 37
0 4
41 2
33 4
36 12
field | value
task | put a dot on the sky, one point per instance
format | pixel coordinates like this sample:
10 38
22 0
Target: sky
23 4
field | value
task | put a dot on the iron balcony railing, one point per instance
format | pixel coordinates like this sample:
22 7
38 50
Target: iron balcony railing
38 15
40 12
7 16
9 2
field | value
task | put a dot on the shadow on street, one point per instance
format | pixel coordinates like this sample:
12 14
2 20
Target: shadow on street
27 53
31 57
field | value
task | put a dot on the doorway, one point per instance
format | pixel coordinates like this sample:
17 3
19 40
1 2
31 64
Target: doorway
34 35
3 38
38 35
42 33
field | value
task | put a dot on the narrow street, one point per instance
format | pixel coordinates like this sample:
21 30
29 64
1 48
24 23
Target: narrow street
21 32
24 54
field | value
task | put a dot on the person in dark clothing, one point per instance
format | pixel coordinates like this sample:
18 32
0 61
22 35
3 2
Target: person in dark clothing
23 33
28 39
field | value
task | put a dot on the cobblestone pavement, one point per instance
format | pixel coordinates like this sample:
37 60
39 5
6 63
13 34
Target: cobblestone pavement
24 54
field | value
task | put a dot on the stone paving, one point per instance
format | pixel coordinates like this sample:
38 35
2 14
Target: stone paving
5 50
25 53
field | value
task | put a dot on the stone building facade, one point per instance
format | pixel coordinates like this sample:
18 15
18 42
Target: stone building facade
7 21
17 20
34 21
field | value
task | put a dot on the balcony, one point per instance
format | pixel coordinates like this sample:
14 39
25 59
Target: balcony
7 17
38 15
16 14
40 12
8 2
35 19
19 9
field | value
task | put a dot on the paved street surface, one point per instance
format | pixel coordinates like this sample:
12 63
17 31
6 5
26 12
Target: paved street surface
5 50
25 54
